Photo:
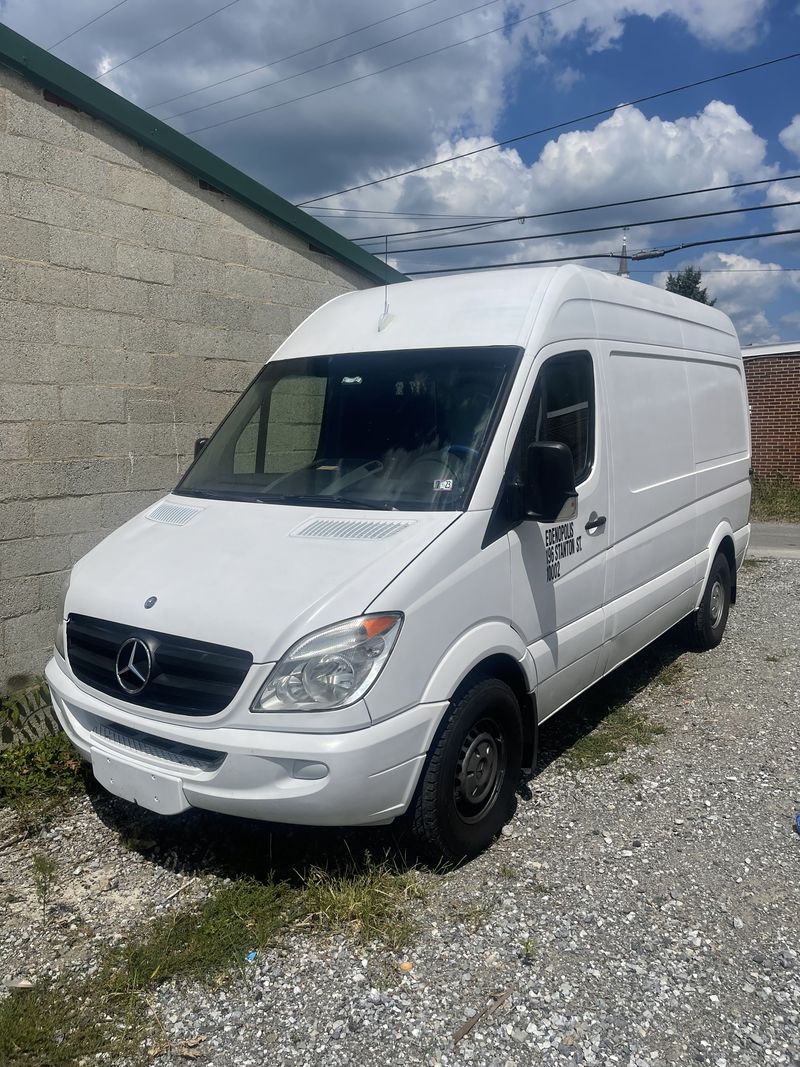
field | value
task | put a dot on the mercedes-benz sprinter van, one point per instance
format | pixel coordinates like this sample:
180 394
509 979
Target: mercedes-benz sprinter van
417 535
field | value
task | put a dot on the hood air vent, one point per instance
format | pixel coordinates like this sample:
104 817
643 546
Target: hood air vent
173 514
350 529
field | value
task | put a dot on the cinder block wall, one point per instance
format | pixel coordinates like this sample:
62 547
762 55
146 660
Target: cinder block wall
134 306
773 389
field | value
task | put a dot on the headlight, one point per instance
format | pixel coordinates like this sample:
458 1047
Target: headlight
61 629
331 668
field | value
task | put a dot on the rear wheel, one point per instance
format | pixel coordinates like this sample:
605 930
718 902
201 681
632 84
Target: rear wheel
466 794
707 625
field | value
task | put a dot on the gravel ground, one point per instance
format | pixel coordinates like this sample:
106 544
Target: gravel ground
645 912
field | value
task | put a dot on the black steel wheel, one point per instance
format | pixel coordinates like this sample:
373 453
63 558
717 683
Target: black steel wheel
707 625
467 790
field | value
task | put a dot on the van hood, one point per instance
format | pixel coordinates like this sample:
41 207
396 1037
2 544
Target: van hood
247 575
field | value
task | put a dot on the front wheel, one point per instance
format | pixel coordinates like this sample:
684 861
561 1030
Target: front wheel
466 794
707 625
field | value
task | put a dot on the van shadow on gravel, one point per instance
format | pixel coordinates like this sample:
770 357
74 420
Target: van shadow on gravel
569 735
201 843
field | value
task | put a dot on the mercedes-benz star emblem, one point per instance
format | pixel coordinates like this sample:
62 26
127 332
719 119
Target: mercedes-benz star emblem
134 664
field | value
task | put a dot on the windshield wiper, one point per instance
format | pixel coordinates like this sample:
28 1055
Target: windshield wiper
211 494
331 501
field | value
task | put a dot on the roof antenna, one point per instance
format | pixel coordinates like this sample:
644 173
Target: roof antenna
385 318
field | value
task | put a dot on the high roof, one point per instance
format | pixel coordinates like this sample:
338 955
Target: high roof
87 95
504 307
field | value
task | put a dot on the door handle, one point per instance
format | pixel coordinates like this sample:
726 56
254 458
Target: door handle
596 523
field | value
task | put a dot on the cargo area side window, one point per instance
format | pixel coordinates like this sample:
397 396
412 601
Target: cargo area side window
562 409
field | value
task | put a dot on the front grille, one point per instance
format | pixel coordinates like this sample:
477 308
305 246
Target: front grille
186 677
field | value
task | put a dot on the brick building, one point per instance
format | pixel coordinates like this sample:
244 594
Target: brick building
142 282
773 387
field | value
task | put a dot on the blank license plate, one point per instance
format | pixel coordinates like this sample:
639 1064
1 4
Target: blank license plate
149 789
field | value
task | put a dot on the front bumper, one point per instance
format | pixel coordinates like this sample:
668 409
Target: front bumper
357 778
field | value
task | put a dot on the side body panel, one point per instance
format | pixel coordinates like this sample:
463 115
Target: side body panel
458 611
680 462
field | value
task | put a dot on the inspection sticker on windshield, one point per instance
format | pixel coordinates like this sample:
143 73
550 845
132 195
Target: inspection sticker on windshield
443 485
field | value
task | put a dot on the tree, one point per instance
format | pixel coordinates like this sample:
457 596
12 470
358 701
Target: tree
687 283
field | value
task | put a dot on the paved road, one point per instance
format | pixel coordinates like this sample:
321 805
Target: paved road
775 540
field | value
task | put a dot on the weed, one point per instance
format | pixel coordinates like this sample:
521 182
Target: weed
371 903
66 1021
670 673
505 870
527 951
752 564
629 778
770 658
471 913
36 778
621 728
775 499
27 713
44 876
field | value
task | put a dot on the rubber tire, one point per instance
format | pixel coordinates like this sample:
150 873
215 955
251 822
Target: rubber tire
436 825
702 635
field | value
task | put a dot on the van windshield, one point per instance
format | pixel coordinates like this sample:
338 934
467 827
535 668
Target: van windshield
392 430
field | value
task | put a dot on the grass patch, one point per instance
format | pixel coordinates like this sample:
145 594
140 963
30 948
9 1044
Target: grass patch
775 500
57 1024
670 673
604 722
370 903
36 778
621 728
752 564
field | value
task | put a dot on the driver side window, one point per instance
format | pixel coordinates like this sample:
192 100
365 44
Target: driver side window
562 408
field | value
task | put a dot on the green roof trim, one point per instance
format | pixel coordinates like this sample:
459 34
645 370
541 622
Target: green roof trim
76 88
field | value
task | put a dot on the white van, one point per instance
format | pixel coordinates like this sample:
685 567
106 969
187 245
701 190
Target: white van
416 536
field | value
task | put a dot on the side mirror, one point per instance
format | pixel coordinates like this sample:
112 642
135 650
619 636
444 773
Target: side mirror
199 445
549 490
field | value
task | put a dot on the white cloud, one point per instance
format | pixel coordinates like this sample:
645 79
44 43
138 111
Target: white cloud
619 159
790 136
567 77
786 218
744 288
731 24
397 118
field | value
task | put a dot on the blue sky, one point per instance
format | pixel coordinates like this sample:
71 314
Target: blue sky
523 71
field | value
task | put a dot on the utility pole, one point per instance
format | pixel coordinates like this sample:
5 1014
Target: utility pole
623 259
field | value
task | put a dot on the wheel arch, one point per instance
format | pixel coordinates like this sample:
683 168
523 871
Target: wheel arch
490 650
721 541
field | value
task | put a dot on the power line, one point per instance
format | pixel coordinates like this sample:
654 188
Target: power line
341 59
361 77
89 23
576 210
368 216
555 126
730 270
598 229
169 37
602 255
294 55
